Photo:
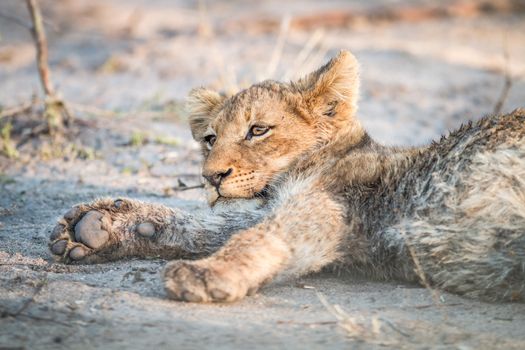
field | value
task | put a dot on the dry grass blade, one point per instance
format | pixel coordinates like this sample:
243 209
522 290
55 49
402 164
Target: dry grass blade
369 330
507 84
297 67
279 46
421 274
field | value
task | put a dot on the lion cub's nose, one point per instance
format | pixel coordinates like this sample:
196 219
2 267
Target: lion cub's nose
216 178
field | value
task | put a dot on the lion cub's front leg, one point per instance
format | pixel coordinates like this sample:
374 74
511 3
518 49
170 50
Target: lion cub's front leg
109 229
302 235
238 269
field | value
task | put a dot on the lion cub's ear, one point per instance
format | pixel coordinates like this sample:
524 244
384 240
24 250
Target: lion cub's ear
202 105
333 89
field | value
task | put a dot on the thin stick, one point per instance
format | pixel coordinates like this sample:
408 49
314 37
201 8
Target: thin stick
39 36
95 110
186 188
16 109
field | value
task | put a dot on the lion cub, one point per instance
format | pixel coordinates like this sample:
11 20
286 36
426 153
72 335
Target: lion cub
295 184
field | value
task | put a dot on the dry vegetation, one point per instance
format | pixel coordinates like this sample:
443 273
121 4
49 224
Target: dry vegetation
123 69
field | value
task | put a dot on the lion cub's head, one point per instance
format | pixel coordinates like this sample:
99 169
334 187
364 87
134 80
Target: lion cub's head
251 137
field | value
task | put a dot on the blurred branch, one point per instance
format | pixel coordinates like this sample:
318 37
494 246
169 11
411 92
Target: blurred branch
39 36
55 111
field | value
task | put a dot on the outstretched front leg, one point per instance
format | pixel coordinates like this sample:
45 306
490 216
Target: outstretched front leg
108 229
302 235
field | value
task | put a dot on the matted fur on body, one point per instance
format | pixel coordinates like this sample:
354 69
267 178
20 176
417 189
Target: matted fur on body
296 184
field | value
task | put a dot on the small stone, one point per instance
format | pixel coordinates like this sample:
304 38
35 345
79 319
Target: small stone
77 253
146 229
58 248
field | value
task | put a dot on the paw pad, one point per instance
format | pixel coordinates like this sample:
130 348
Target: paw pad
57 231
58 248
72 213
77 253
146 229
89 230
219 295
192 298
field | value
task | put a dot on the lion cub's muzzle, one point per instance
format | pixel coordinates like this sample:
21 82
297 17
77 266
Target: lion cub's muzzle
216 178
232 183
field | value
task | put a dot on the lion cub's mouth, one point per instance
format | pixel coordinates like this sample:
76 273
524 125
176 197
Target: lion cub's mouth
215 197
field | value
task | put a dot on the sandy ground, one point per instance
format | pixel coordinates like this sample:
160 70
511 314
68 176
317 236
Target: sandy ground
125 67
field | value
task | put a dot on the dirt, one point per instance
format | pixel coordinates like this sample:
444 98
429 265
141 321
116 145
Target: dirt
125 67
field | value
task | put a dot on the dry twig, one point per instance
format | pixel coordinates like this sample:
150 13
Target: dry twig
183 187
55 111
39 35
187 188
24 107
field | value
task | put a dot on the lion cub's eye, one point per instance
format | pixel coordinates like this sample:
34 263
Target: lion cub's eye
257 130
210 140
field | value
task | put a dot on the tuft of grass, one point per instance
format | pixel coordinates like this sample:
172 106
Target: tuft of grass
83 152
6 179
167 140
56 150
128 171
112 65
138 138
8 148
369 329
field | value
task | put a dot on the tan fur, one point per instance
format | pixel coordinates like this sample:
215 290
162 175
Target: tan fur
311 188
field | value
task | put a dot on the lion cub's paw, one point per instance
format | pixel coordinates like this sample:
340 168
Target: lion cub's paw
200 281
93 232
